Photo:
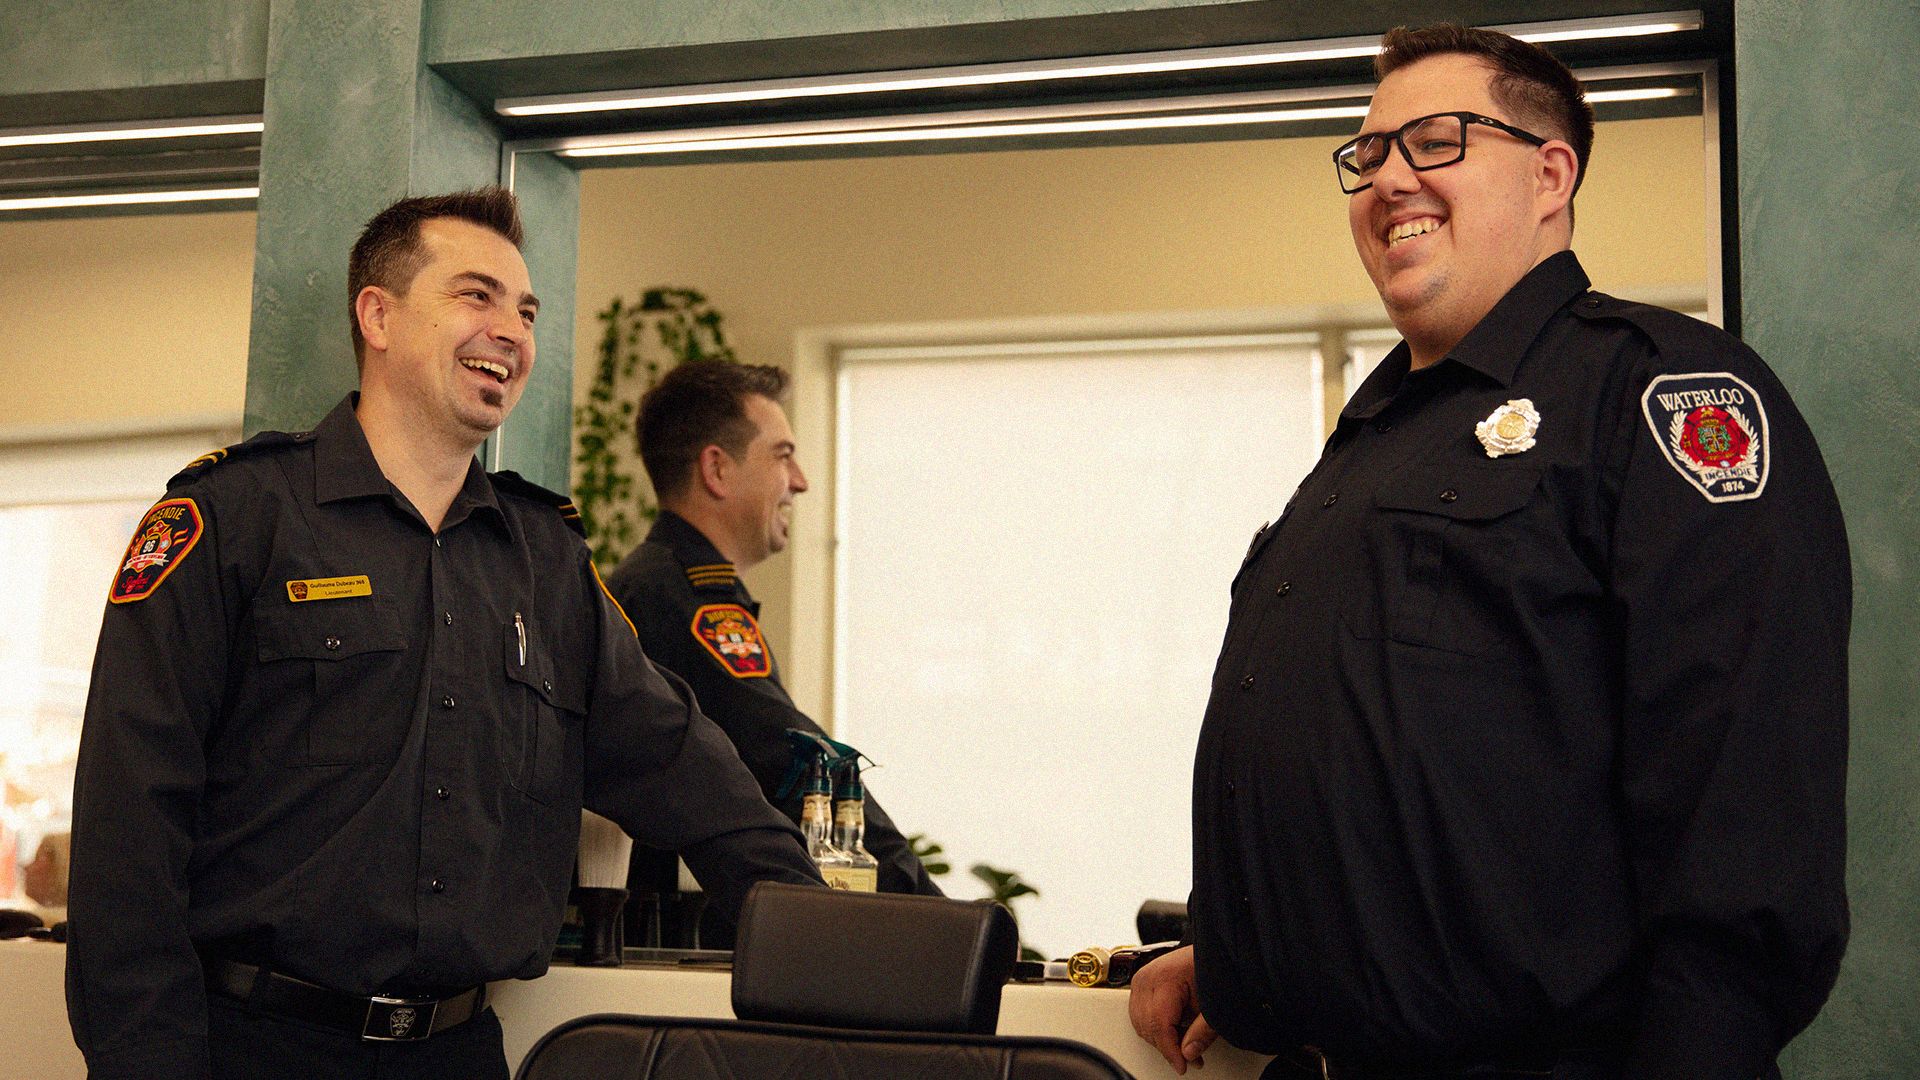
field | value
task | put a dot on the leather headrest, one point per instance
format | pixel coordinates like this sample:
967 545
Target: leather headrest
880 961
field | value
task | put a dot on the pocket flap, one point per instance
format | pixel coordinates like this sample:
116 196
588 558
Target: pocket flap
327 630
1468 492
562 690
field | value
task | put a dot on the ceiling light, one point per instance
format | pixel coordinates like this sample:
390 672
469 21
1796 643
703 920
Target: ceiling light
145 129
124 198
1086 67
973 131
1611 26
1641 93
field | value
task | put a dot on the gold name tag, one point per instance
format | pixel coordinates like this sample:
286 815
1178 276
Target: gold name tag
332 588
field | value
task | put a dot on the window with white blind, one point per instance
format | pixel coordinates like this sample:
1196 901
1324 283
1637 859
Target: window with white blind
69 501
1035 542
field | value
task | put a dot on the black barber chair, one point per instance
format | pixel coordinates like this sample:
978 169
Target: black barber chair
846 985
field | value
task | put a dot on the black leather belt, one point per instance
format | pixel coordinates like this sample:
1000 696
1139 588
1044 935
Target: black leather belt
378 1019
1309 1063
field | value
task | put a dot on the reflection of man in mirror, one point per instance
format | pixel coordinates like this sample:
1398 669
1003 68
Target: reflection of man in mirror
1526 747
720 454
334 757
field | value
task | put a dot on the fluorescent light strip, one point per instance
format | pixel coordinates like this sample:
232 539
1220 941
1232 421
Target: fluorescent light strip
125 198
1069 68
938 78
1642 93
165 129
976 131
1215 103
1611 26
943 126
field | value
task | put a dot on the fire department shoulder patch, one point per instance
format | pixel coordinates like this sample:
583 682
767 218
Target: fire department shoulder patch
730 634
1713 430
165 536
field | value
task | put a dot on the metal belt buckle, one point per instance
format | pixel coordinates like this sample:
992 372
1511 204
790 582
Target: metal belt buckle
399 1019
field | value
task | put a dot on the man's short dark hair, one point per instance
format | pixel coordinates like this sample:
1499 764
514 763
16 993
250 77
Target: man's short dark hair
1540 92
389 252
699 404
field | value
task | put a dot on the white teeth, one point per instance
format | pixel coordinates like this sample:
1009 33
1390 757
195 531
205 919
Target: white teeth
498 371
1408 229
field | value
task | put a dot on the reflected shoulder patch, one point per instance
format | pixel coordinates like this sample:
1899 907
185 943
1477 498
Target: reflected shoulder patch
730 635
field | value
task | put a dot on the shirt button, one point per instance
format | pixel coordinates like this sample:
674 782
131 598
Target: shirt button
446 702
436 542
1383 426
1285 588
1246 683
442 794
546 685
332 644
1449 495
437 885
1331 499
447 617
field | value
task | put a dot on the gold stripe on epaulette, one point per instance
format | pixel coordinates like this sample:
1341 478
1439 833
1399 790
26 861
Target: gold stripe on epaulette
727 566
211 457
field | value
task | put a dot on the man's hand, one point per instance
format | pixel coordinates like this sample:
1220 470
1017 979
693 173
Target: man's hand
1164 1005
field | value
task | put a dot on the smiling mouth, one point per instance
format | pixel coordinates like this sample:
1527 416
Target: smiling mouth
1407 230
497 370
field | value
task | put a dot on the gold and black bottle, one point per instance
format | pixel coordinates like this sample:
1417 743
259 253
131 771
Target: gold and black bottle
850 828
816 824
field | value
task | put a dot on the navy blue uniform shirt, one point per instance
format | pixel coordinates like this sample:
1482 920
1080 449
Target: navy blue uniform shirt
328 741
1545 747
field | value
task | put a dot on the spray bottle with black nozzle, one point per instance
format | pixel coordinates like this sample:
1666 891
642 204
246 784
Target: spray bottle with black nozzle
850 827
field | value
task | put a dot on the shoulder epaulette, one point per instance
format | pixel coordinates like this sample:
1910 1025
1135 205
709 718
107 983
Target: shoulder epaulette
1673 333
712 576
514 483
265 440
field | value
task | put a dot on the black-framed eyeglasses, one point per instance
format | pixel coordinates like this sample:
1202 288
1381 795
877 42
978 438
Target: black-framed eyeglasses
1430 142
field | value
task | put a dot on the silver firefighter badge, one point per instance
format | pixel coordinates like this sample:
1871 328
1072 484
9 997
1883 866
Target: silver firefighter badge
1509 429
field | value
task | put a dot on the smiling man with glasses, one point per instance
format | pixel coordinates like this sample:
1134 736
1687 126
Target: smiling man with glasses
1526 750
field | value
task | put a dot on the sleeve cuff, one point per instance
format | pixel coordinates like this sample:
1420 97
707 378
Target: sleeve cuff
1704 1018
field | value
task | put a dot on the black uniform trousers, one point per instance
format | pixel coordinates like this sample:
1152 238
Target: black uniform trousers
249 1045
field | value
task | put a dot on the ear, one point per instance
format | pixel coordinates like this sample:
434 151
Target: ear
371 308
1555 172
716 471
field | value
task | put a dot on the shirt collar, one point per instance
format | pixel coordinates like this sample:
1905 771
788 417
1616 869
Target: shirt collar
693 551
1496 344
345 468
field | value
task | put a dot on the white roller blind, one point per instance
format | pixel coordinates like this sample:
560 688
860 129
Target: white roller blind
1035 547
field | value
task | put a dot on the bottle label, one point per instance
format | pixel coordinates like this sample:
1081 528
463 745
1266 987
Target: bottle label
851 878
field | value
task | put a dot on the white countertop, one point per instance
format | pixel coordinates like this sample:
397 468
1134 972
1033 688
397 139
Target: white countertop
33 1012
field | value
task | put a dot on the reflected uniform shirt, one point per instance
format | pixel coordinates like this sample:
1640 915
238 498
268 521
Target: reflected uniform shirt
697 620
1545 748
330 742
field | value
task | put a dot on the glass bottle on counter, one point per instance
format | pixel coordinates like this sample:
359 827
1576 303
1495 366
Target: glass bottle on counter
816 824
850 829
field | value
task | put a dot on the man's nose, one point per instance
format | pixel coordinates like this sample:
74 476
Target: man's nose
510 328
1396 175
796 480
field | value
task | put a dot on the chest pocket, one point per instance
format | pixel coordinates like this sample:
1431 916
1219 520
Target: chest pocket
541 736
343 654
1458 534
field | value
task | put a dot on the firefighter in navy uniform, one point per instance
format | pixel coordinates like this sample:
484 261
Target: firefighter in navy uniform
717 446
350 696
1525 754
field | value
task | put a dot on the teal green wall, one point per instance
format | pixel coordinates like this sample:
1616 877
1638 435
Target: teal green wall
57 46
1829 175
